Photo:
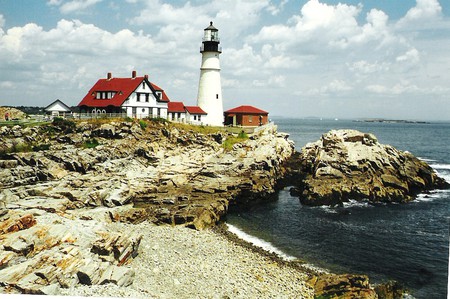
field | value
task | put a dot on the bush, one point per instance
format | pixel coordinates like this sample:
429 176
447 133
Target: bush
91 143
65 125
242 135
41 147
143 124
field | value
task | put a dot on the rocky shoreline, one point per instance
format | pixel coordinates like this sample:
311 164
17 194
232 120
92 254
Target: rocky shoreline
123 209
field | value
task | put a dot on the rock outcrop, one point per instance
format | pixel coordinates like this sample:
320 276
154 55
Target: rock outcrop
344 286
63 186
348 164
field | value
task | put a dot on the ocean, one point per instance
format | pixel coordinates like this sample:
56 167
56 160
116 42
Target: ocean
408 243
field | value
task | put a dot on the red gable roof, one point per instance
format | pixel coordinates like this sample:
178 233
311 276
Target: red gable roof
195 110
173 107
246 109
123 87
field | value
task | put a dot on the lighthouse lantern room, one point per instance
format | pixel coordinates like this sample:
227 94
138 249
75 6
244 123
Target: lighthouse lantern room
209 96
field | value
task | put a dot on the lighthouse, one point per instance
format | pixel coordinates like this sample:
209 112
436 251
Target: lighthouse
209 96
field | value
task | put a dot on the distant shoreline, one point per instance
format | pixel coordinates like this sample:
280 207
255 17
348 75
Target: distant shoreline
392 121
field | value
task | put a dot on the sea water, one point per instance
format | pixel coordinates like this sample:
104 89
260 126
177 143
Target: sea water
408 243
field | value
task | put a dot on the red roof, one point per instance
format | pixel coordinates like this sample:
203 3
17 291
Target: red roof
123 87
195 110
173 107
246 109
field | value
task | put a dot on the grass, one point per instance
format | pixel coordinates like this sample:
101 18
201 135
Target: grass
231 141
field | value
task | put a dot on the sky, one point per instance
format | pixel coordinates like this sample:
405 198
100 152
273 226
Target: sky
295 58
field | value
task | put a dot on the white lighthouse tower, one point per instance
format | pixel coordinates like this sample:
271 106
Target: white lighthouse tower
209 96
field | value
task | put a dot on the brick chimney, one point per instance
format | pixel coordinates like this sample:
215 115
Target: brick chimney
146 77
109 76
133 74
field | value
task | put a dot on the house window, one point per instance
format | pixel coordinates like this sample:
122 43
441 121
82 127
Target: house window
159 112
147 95
98 95
250 118
179 115
143 110
143 85
138 97
199 118
217 96
195 117
158 94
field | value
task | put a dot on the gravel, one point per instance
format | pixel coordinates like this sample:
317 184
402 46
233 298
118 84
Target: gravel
178 262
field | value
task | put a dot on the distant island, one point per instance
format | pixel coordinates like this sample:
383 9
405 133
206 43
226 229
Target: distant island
392 121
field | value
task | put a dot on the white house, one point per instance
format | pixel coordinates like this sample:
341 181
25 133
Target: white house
186 114
135 96
58 108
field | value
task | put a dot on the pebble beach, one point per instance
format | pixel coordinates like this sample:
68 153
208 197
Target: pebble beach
178 262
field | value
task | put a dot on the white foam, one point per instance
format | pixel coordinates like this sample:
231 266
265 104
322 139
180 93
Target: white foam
267 246
355 203
440 166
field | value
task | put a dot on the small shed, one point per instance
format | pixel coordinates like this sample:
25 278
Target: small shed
247 116
58 109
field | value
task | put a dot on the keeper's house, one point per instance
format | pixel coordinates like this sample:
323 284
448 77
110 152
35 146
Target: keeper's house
247 116
135 96
185 114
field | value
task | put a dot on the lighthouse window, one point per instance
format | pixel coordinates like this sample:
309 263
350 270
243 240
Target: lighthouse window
217 96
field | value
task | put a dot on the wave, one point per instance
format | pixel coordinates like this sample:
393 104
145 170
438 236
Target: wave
440 166
436 194
267 246
427 160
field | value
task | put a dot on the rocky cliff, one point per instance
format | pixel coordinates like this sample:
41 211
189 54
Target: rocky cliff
62 186
348 164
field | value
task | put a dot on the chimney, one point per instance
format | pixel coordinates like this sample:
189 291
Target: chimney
133 74
146 77
109 76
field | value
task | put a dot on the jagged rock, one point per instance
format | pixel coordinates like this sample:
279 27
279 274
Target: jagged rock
15 224
105 131
348 164
390 290
344 286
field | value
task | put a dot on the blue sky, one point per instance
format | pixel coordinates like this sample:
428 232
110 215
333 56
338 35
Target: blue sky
344 59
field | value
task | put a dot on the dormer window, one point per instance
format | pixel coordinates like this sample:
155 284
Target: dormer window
104 95
159 95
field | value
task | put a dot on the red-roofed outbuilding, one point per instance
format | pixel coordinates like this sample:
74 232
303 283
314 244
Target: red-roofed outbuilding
136 96
247 116
190 114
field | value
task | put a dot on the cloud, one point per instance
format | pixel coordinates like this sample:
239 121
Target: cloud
423 11
73 6
235 16
2 21
67 59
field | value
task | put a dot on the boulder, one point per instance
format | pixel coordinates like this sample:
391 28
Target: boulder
348 164
344 286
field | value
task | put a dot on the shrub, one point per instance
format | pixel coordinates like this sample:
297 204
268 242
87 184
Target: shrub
143 124
41 147
91 143
65 125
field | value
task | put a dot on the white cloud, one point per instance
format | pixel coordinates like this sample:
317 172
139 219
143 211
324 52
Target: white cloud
423 11
2 21
274 9
412 56
73 5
